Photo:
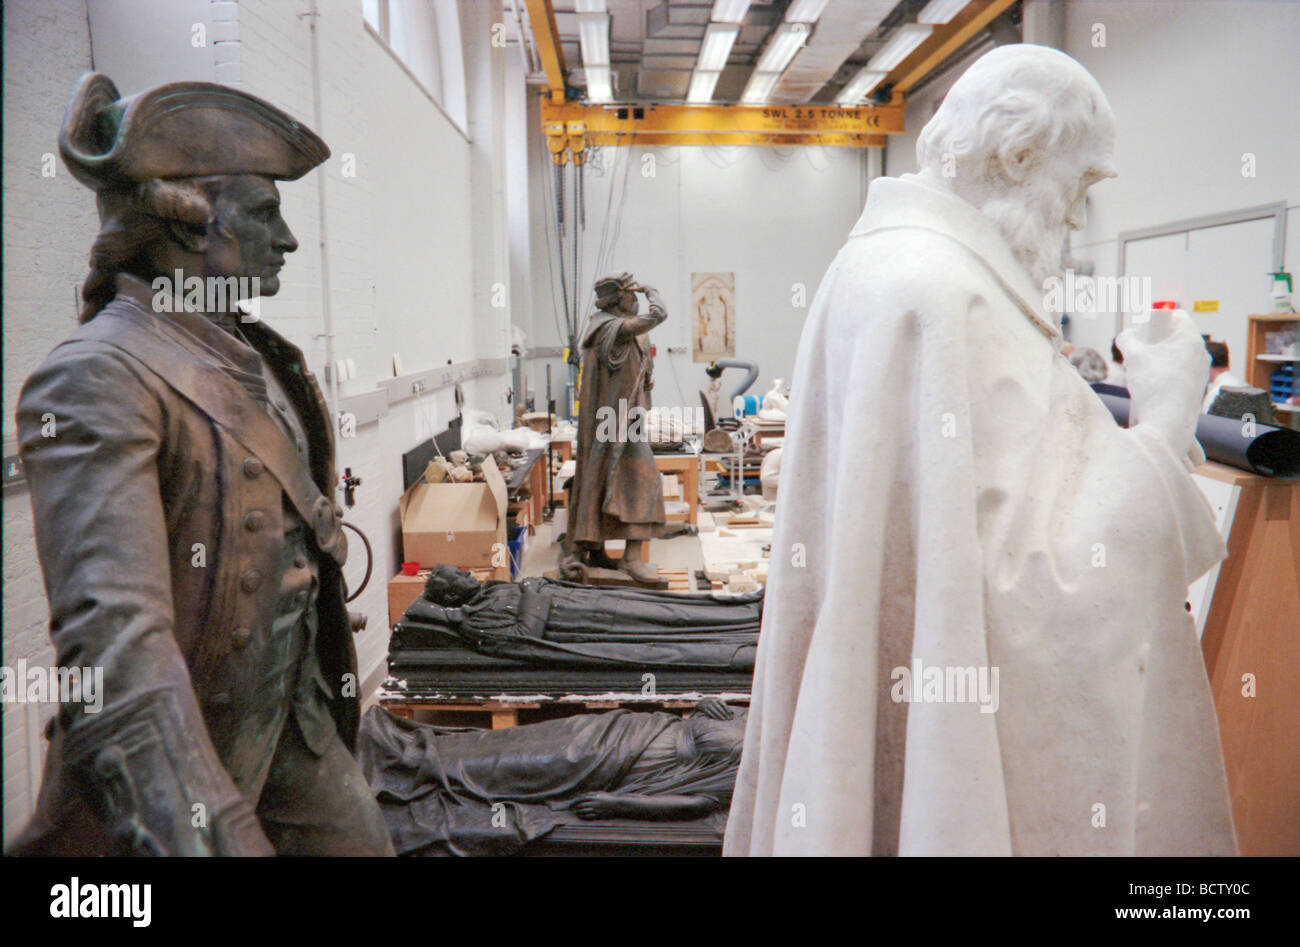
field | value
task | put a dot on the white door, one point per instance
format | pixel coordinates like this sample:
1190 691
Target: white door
1228 264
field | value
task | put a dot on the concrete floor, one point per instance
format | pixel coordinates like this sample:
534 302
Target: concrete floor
543 553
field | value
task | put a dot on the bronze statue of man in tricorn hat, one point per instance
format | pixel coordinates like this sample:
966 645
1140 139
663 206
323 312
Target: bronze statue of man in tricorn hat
181 465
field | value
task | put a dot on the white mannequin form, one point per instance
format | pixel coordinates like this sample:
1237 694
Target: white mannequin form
975 640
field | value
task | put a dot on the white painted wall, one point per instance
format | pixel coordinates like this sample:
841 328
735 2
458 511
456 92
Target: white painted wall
774 217
1194 85
416 235
48 224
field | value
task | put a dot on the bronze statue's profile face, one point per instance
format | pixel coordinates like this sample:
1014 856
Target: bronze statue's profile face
247 236
627 303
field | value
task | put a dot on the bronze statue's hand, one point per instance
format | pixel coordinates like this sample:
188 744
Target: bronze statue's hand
596 805
715 708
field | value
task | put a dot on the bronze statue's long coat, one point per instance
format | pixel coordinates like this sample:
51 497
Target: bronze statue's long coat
616 492
179 529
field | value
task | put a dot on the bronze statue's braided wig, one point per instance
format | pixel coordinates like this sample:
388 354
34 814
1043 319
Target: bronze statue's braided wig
132 221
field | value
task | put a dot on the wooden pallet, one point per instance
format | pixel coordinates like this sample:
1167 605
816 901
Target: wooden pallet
683 580
679 580
505 712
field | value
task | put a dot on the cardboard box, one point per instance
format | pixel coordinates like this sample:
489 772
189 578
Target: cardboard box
459 524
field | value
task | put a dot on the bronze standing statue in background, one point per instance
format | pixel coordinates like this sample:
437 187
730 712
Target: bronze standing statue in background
181 463
616 492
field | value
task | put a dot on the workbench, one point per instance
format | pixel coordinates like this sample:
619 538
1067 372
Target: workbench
1251 644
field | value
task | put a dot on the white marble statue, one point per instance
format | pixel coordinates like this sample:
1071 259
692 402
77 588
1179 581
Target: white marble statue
974 639
775 404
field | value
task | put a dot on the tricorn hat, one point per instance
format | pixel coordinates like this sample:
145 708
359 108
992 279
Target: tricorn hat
180 130
608 288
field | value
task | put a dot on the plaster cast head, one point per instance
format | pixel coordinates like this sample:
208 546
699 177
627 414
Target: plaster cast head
1022 135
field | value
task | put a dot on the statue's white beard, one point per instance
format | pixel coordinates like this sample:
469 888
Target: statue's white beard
1033 222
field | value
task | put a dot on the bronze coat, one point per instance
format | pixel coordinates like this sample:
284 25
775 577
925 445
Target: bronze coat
134 477
616 491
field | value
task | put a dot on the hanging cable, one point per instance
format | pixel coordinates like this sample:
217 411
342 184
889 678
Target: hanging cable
559 226
582 199
370 560
577 288
551 257
559 198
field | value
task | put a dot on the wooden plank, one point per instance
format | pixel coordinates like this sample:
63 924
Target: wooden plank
1252 654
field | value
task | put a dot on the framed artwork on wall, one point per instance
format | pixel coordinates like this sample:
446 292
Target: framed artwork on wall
713 315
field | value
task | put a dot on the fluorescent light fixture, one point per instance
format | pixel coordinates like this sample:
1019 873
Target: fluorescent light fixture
785 42
702 85
589 6
715 49
857 88
760 87
730 11
593 34
805 11
598 84
940 11
899 46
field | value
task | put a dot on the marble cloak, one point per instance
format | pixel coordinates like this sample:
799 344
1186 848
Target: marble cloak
953 492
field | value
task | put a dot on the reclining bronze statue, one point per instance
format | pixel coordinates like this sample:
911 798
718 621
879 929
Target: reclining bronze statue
491 792
551 636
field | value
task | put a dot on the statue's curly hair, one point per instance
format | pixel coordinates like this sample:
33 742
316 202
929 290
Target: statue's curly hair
1010 106
132 220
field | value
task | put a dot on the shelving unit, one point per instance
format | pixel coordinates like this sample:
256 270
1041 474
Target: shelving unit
1261 364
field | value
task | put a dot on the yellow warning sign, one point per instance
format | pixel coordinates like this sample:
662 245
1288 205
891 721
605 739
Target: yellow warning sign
1205 305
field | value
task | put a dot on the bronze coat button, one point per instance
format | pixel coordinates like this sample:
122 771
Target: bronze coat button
253 468
240 638
254 520
250 580
323 522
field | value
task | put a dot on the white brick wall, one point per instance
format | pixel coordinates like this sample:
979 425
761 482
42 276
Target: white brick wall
48 224
411 236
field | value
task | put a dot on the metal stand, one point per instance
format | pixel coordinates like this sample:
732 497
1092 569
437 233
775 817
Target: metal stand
550 470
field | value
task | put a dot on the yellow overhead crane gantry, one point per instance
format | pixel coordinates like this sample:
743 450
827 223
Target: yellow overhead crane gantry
571 126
